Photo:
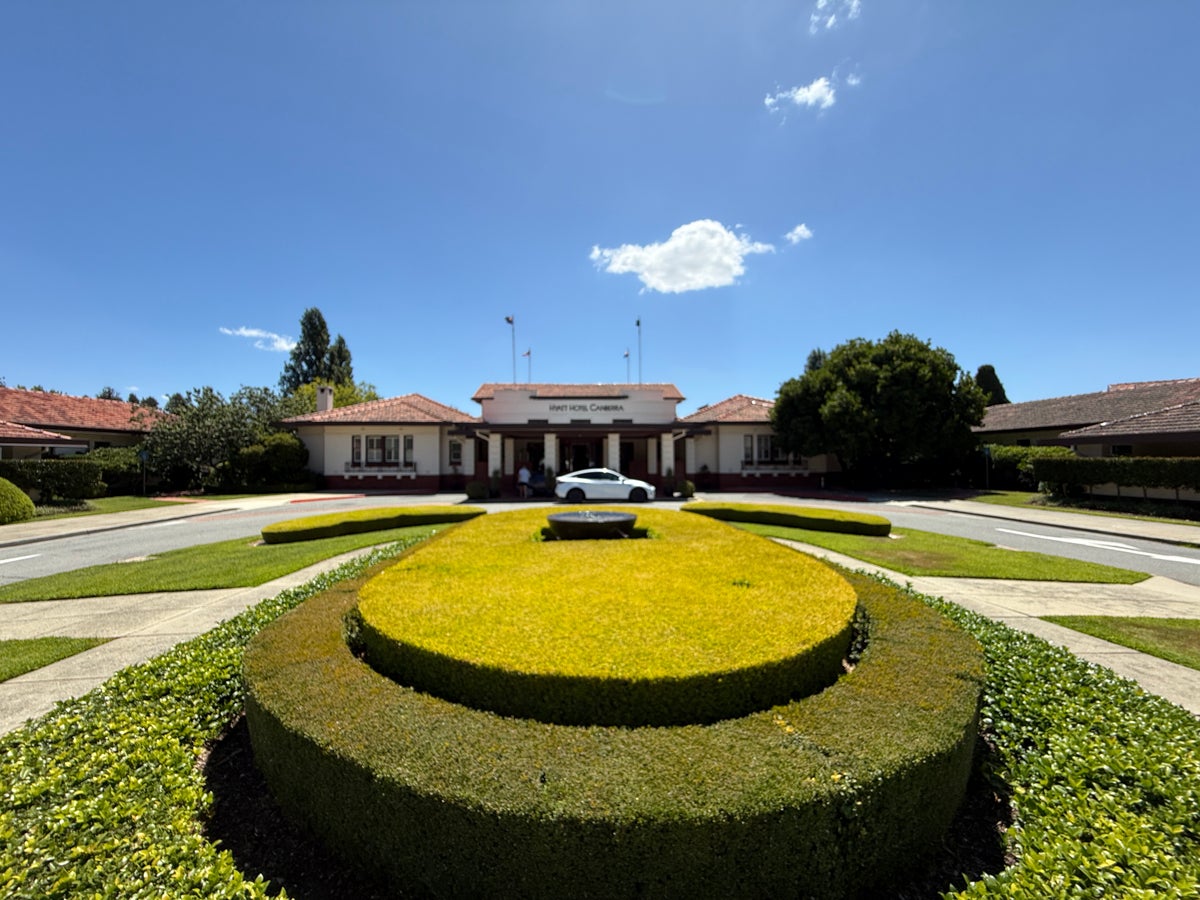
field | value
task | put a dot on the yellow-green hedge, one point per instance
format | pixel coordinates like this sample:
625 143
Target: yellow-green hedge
360 521
812 518
825 796
698 623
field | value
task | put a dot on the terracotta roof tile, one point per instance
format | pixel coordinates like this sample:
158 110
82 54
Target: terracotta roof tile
740 409
12 433
1081 410
62 412
410 409
576 391
1183 419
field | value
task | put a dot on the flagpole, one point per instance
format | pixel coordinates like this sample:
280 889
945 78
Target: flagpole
627 365
513 325
639 328
529 366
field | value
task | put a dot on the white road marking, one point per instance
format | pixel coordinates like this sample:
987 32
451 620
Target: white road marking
1106 545
19 558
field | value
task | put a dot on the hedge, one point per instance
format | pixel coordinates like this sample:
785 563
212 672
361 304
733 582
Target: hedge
824 796
311 528
810 518
699 623
63 479
106 794
1069 475
15 505
1011 466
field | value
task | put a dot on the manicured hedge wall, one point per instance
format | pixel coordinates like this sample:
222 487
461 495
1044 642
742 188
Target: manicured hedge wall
821 797
1071 475
65 479
310 528
811 518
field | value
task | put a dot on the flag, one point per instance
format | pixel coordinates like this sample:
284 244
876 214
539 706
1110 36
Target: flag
638 323
527 352
508 319
627 354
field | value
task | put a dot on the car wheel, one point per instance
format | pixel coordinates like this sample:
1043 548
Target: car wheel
575 495
638 495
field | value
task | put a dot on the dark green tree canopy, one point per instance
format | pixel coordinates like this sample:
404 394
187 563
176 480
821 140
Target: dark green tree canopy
314 359
892 409
989 383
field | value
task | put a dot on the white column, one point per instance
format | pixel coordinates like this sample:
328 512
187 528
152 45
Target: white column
668 453
652 454
550 452
494 453
689 455
509 453
614 451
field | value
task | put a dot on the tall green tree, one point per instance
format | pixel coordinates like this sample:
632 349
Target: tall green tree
314 359
989 383
206 431
891 410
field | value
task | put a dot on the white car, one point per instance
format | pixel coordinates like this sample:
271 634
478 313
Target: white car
601 484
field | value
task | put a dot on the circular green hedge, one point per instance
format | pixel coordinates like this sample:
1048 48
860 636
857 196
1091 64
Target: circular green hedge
700 623
15 505
823 796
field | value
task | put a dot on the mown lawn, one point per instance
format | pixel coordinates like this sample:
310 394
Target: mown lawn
1175 640
242 562
20 656
913 552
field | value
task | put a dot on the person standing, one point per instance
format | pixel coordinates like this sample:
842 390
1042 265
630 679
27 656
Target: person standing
523 481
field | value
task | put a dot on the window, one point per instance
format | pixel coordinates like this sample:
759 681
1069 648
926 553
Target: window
356 450
374 449
391 449
408 450
456 453
747 449
765 448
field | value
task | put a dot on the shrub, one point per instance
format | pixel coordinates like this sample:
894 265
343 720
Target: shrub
1012 466
477 490
121 469
729 623
821 796
278 460
15 505
1071 475
310 528
55 479
809 518
103 796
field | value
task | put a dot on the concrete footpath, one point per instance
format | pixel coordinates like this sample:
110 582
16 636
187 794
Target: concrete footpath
142 626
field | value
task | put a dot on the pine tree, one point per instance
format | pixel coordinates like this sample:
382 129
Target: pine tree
987 379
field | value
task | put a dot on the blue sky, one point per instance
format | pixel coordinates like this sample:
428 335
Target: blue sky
1015 182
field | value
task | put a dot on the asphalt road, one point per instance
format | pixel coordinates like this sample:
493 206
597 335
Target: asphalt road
75 551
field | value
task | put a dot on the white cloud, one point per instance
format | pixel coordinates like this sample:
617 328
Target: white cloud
854 79
263 340
698 255
820 94
800 233
828 14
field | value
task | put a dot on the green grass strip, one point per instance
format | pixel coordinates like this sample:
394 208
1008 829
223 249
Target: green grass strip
241 562
912 552
20 656
1175 640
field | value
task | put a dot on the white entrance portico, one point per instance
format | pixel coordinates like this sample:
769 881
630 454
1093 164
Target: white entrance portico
556 428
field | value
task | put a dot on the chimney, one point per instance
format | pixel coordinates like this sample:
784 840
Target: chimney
324 397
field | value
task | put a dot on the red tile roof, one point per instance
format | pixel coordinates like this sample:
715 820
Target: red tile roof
12 433
739 409
1081 410
577 391
411 409
1174 421
62 412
